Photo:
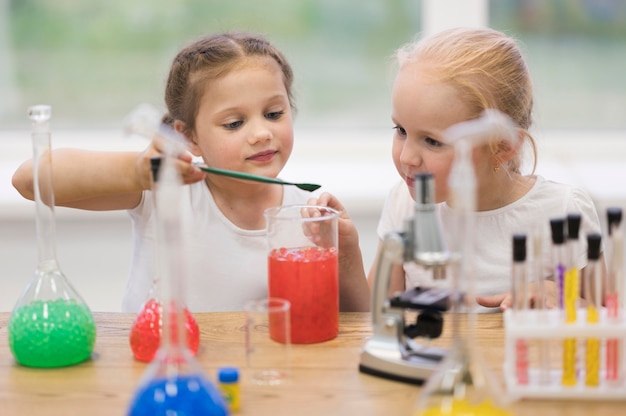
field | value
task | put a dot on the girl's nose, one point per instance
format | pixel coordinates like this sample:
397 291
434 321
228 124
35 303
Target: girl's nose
410 154
260 133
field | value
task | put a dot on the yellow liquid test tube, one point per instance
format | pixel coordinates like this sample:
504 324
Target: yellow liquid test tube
592 351
569 345
593 294
570 299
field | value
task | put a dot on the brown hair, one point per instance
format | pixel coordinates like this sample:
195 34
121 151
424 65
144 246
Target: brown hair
486 67
207 59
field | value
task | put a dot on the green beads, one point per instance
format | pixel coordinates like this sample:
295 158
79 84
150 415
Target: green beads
54 333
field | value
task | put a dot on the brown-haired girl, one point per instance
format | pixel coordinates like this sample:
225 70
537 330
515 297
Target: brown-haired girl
230 96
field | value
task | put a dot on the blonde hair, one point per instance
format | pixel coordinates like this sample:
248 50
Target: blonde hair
488 70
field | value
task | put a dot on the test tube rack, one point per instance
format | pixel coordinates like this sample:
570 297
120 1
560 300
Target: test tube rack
547 329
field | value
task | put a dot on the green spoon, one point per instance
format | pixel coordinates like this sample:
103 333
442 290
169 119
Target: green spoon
240 175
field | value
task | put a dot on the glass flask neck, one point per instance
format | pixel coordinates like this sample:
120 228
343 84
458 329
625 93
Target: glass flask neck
44 196
170 254
173 382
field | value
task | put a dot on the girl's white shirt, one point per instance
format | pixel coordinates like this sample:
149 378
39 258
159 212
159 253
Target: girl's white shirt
494 231
224 265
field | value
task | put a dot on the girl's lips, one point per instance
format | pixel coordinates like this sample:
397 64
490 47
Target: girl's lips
263 156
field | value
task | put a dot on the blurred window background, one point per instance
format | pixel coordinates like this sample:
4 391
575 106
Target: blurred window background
95 61
576 50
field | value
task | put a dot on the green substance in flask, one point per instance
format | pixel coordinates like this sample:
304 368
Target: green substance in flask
52 333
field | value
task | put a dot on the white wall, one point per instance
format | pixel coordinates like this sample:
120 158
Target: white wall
438 15
94 248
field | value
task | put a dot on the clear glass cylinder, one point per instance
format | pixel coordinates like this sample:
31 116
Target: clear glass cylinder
173 382
303 268
51 325
463 384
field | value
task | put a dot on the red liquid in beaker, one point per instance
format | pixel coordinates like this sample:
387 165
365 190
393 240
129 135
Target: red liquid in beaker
308 278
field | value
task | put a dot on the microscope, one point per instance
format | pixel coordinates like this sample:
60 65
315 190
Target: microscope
392 352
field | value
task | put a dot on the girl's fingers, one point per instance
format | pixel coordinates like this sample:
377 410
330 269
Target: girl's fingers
493 301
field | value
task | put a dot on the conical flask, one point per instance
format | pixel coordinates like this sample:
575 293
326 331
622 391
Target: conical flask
145 333
173 383
463 384
50 326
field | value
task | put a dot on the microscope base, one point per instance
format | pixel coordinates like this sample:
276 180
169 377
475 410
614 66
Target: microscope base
412 370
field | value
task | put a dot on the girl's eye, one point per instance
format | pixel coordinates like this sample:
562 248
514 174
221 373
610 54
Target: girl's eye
399 130
432 142
234 125
274 115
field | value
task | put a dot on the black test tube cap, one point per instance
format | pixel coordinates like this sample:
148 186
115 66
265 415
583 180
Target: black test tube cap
593 246
573 225
519 247
155 165
614 217
557 225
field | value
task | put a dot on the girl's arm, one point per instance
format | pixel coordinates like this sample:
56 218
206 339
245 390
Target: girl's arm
87 179
100 180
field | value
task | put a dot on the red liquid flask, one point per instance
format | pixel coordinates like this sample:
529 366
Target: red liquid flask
145 334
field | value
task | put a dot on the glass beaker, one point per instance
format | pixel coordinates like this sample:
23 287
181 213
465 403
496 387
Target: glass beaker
173 382
303 268
147 328
50 326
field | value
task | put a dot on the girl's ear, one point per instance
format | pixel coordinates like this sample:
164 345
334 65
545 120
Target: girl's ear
179 126
504 150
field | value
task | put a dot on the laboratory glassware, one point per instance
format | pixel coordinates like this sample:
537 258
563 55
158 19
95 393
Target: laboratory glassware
51 325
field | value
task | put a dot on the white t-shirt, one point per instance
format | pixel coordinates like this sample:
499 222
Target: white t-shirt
225 266
495 229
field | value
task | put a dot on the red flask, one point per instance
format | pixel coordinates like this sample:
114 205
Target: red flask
145 334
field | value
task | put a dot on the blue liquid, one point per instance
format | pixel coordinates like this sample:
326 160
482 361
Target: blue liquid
180 396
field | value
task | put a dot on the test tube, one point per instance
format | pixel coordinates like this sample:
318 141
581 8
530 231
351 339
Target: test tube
557 226
540 303
519 285
613 297
570 299
592 279
571 291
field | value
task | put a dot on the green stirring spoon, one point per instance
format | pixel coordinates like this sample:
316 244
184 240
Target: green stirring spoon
240 175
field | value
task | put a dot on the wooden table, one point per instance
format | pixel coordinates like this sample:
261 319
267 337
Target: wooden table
325 377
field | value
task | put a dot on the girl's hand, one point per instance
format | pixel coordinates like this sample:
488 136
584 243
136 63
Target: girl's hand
505 300
188 172
354 293
347 233
502 301
319 232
